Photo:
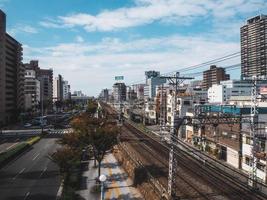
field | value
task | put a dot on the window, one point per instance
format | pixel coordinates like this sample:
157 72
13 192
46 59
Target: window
187 102
260 166
248 140
247 160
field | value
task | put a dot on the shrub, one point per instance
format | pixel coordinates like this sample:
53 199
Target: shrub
33 140
5 156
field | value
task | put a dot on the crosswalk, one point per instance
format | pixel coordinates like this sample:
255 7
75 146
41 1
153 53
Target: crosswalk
61 131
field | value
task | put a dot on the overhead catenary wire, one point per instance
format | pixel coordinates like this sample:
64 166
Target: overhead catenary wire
197 66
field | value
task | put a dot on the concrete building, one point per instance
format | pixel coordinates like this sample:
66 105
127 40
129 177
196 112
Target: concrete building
119 92
11 75
254 47
78 93
223 92
41 80
213 76
104 95
32 89
139 89
152 81
66 90
58 88
46 82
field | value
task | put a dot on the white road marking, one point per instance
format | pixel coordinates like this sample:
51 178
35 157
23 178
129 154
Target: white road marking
36 156
21 171
28 193
11 146
43 172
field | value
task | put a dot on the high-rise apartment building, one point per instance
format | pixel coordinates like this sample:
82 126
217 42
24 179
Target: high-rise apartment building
153 80
213 76
11 75
119 92
38 86
32 88
46 82
254 47
58 88
66 90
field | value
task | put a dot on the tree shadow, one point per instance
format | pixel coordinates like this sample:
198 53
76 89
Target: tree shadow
117 177
109 165
125 197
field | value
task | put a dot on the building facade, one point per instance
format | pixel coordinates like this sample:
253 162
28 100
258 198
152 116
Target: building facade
58 88
32 90
254 47
66 90
213 76
153 80
11 75
119 92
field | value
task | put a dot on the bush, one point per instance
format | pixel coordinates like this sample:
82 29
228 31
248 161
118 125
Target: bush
12 152
33 140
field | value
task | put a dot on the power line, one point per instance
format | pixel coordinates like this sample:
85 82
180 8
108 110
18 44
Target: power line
204 64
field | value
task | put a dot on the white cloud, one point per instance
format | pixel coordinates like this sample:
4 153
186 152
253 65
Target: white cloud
148 11
96 64
20 28
79 39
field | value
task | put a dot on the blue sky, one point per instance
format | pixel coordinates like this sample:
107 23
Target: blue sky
91 41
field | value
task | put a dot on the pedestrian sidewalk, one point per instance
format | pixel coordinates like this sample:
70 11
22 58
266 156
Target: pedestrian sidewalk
118 184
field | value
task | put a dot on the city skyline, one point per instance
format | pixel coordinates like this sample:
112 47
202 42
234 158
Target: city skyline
97 41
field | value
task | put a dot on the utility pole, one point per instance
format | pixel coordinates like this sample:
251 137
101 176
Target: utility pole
253 133
175 80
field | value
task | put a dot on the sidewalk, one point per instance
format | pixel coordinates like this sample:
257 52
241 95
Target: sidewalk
118 185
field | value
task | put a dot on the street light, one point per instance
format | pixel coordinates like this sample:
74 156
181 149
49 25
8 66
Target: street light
102 179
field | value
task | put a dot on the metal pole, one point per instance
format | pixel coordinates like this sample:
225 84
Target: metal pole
102 191
42 107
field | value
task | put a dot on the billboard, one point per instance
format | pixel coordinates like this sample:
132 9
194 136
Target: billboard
119 78
263 90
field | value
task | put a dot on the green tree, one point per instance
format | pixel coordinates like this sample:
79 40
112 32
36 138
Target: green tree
103 140
91 107
66 159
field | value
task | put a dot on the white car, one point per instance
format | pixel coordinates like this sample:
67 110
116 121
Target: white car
27 125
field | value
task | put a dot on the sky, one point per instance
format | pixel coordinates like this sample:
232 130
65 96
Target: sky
89 42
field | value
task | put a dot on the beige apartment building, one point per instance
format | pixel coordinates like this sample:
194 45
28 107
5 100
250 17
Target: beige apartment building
11 75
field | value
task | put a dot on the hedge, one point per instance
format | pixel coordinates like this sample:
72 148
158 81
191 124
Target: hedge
19 148
5 156
33 140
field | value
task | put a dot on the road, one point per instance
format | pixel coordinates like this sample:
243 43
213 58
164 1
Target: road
32 176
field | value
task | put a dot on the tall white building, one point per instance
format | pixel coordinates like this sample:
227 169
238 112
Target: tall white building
58 88
153 80
66 90
32 90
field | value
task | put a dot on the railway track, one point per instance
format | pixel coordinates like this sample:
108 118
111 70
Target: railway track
195 180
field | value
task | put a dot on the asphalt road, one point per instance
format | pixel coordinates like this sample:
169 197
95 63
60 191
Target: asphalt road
32 175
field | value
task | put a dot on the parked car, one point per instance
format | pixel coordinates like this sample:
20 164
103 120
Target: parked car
27 125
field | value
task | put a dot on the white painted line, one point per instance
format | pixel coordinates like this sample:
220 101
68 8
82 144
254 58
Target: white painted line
11 146
43 172
36 156
28 193
21 171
